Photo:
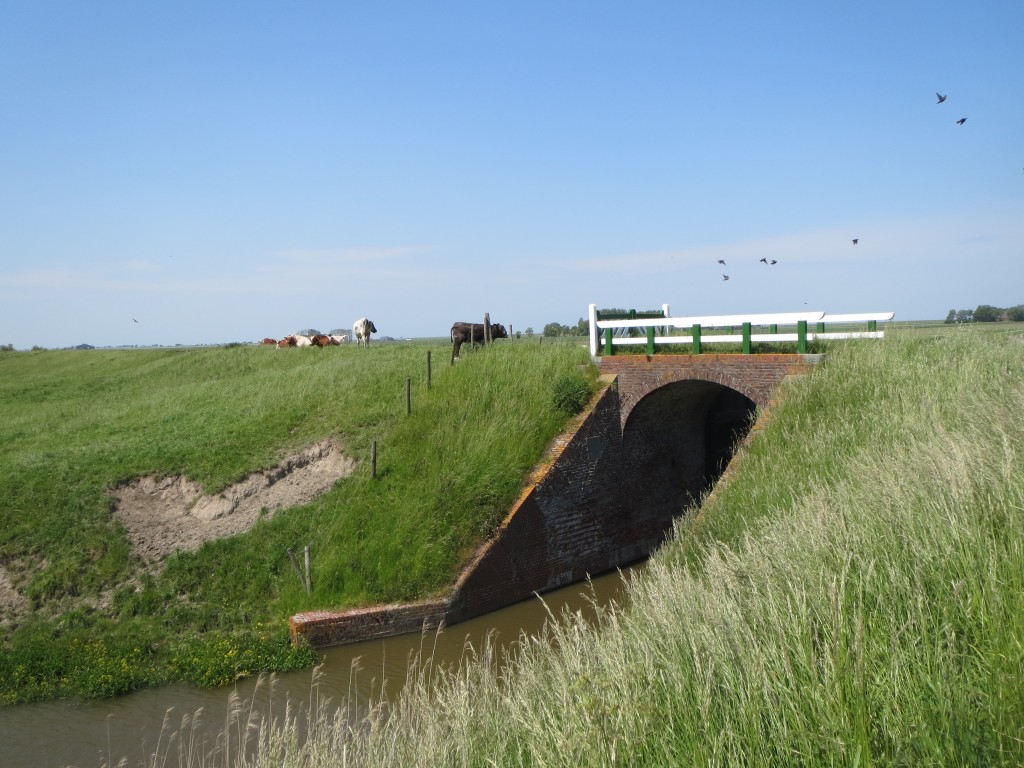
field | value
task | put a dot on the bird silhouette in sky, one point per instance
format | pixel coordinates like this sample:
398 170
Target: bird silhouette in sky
764 261
855 240
961 121
774 261
941 97
135 321
725 277
721 261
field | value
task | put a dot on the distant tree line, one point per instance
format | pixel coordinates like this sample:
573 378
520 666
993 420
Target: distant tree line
582 328
986 313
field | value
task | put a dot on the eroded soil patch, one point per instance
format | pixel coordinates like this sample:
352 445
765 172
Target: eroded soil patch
165 515
12 602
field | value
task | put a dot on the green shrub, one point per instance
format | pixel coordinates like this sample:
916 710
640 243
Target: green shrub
570 393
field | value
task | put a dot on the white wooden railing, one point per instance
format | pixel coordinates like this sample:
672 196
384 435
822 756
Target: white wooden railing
601 331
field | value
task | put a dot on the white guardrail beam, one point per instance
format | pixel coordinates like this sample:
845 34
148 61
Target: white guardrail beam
701 322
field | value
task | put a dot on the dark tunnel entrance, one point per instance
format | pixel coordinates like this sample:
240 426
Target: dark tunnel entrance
676 443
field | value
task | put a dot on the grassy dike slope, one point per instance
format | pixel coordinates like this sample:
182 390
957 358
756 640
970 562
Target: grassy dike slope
851 594
91 620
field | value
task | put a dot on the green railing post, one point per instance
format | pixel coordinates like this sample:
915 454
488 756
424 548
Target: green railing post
650 339
696 338
773 328
746 338
872 325
820 328
801 337
609 348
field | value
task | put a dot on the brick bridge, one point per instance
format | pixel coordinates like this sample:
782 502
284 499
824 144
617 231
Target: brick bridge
652 442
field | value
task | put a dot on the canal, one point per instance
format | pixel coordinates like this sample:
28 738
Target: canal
138 726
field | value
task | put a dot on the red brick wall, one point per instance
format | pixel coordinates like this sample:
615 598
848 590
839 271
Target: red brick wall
755 376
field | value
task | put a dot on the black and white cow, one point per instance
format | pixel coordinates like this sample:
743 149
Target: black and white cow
362 328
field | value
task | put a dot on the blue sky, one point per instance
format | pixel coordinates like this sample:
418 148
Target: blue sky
228 171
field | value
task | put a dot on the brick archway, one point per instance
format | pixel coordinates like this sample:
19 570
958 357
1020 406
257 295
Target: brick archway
754 376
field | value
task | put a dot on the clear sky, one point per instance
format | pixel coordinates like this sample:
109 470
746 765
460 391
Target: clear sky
207 172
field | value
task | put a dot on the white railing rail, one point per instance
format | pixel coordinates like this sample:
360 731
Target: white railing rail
602 331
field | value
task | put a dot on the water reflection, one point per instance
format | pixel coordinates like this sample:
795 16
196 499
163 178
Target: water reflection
91 734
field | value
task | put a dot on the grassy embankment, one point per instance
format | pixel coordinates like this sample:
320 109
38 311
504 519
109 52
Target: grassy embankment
74 424
851 594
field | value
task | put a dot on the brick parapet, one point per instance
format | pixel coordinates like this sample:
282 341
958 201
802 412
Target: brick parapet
754 376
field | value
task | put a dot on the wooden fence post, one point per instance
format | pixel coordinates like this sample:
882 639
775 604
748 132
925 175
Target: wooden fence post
309 581
487 328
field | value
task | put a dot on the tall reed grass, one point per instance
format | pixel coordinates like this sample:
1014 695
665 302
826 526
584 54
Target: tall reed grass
852 593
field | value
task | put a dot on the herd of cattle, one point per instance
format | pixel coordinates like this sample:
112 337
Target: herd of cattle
298 340
461 333
362 328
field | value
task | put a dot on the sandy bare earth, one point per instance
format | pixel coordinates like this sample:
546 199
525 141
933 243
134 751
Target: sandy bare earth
163 515
12 603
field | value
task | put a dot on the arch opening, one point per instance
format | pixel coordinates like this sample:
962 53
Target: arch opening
676 443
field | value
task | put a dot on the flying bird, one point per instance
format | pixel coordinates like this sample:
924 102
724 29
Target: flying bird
856 240
961 121
135 321
941 97
774 261
764 261
725 277
721 261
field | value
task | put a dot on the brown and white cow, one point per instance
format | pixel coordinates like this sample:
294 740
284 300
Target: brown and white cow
269 342
287 341
362 328
321 340
473 333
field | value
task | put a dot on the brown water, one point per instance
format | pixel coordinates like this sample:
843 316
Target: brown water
92 734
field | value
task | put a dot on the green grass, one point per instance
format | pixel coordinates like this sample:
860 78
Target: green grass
851 594
75 424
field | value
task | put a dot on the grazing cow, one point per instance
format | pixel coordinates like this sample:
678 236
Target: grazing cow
303 341
321 341
362 328
337 340
287 341
473 333
269 341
